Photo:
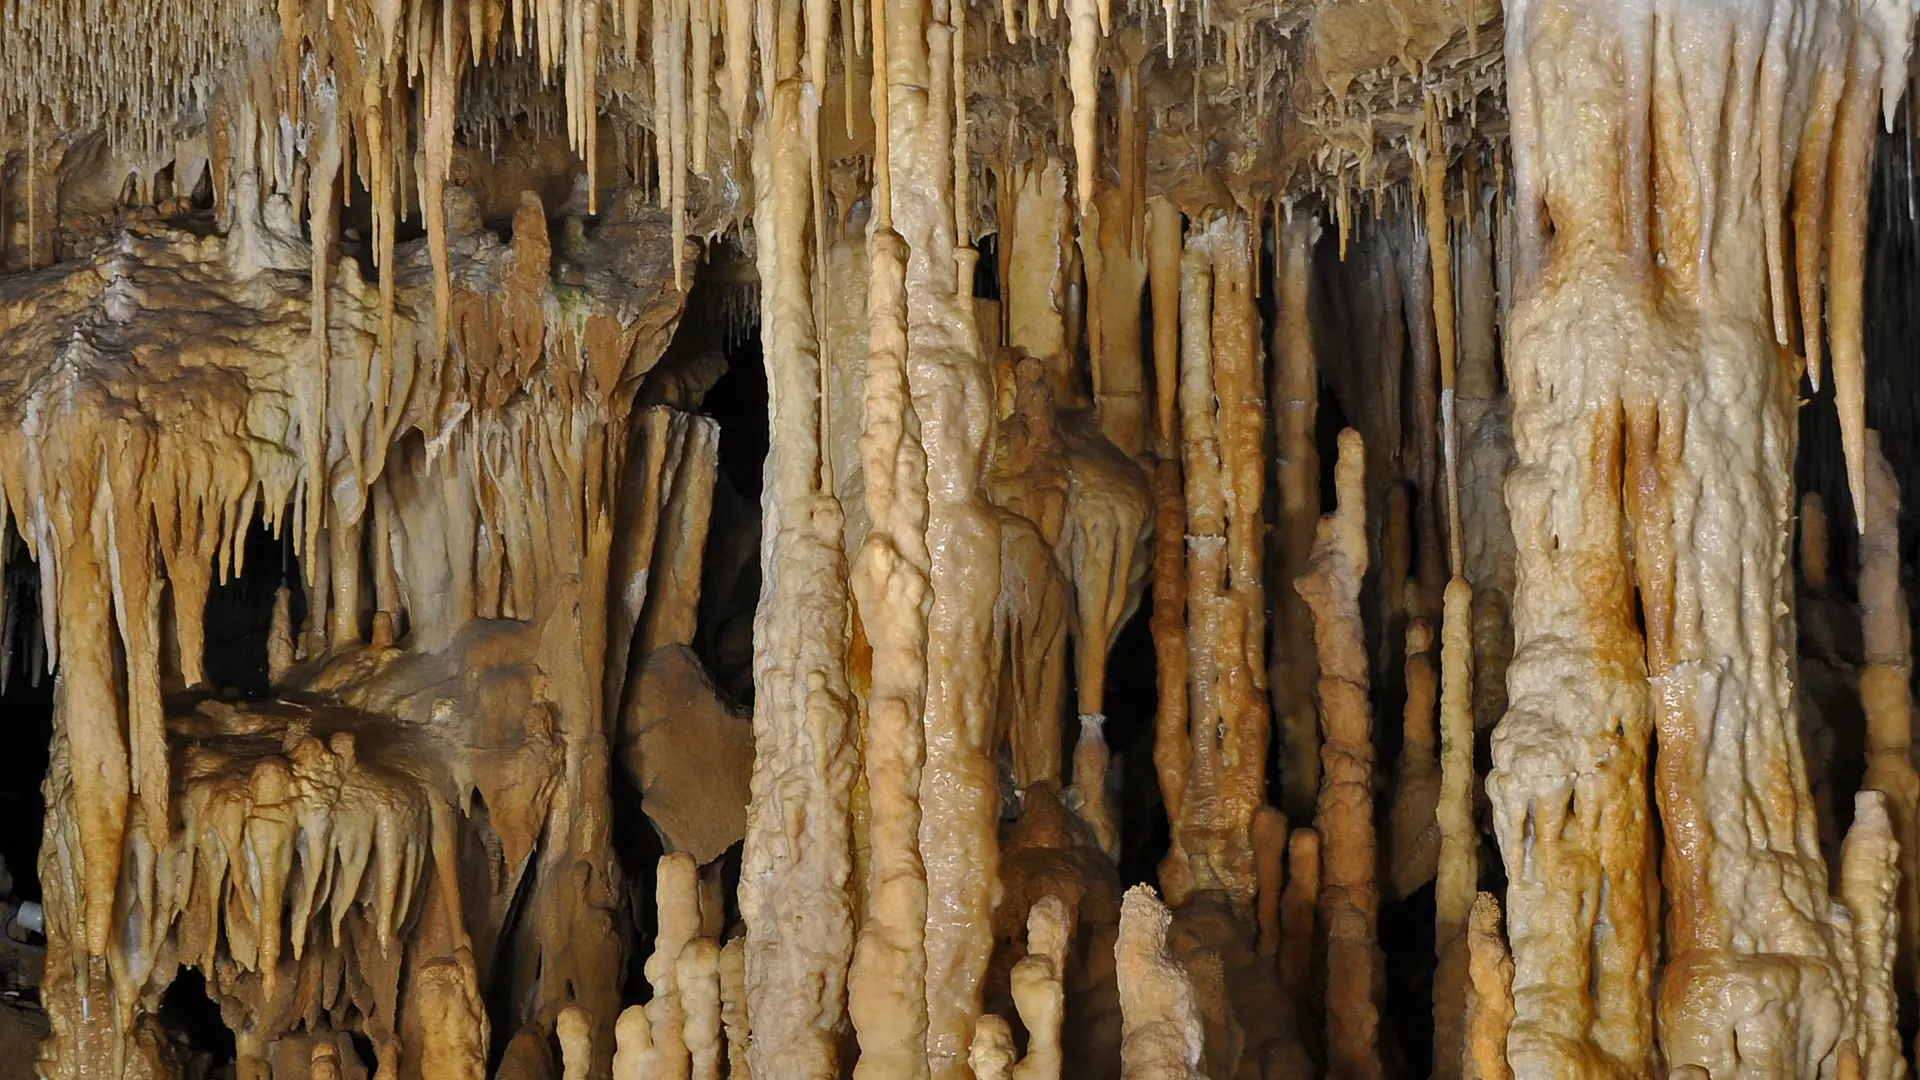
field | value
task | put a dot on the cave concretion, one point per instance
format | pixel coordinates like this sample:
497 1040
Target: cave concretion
1269 551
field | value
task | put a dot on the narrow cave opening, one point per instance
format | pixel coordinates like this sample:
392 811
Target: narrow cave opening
26 701
239 612
192 1021
713 370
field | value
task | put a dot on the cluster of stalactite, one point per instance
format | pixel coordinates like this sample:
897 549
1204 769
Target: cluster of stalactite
1554 534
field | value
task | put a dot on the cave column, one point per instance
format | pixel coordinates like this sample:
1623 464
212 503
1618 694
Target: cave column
1222 430
1568 783
1654 397
950 384
795 878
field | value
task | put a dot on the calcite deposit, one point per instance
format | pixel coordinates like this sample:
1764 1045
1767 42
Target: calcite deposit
958 539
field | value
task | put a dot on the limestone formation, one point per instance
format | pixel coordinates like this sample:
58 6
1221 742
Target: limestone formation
691 539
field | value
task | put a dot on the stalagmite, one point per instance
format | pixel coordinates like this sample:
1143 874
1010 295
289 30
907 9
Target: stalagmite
1348 896
574 1029
1299 908
1869 878
679 907
991 1055
1814 543
1459 866
1221 431
1269 833
1295 404
886 993
697 979
1088 796
950 385
634 1057
1162 1036
1489 1007
1039 991
1413 836
733 1010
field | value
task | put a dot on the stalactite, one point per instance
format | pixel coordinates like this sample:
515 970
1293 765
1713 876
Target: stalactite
1348 897
1116 269
1422 439
1434 199
1083 80
1035 296
1172 746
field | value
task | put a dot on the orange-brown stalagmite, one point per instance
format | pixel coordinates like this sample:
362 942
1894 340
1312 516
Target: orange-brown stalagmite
1413 828
1295 405
1299 907
1459 862
1349 896
1815 544
1489 1006
1172 745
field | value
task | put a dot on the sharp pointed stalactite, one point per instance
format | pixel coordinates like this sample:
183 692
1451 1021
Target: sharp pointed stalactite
958 539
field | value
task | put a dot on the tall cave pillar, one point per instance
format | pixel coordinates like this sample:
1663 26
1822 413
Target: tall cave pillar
1654 374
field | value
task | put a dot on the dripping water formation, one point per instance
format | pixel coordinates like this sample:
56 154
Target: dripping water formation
958 540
